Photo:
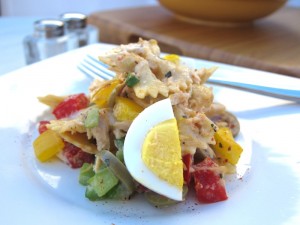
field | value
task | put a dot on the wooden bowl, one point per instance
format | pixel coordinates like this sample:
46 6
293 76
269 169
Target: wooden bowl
222 12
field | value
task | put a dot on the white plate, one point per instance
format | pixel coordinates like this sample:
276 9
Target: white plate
34 193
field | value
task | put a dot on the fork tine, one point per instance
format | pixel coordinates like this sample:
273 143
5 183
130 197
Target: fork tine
89 71
100 65
95 69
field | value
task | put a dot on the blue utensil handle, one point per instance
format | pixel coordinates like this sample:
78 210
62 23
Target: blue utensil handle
282 93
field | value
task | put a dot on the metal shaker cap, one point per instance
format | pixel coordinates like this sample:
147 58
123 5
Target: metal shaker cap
74 20
49 28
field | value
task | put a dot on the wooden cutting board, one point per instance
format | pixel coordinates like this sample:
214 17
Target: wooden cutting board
271 44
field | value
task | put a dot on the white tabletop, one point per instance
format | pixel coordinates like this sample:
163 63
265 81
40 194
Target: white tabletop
269 137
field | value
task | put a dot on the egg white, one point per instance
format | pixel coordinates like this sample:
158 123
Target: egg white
148 118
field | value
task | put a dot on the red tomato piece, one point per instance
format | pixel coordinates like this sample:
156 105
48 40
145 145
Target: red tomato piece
42 126
209 182
187 160
71 104
75 156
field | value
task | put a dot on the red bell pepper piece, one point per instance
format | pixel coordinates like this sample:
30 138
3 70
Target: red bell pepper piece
42 126
75 156
71 104
209 182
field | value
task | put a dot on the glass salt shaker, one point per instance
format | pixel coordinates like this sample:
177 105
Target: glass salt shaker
76 24
47 40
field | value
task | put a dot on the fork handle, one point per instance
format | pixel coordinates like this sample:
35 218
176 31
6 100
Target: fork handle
281 93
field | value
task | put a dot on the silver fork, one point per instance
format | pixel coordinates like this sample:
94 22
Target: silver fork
96 69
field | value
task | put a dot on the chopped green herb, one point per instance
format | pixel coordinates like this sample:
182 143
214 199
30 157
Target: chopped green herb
131 80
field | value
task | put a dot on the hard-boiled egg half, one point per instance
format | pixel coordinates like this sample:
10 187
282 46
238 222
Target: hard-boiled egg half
152 151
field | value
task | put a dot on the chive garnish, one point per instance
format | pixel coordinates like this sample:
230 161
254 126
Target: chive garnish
131 80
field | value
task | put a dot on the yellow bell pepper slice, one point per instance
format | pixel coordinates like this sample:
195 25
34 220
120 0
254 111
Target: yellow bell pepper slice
51 100
226 148
102 95
126 109
172 58
47 145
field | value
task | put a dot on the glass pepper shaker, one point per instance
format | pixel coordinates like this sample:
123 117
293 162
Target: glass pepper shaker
48 40
76 24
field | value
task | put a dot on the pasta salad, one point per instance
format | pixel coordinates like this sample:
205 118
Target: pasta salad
193 150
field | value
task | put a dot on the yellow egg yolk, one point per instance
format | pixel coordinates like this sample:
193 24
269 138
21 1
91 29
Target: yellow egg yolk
161 152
